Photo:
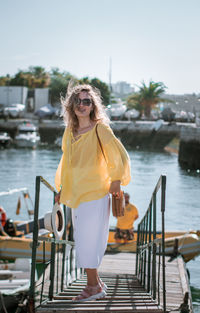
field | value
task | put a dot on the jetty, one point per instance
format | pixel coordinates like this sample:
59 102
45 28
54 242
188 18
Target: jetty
125 292
145 281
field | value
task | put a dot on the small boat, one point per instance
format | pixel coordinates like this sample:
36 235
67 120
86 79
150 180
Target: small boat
177 243
12 248
27 136
5 139
16 237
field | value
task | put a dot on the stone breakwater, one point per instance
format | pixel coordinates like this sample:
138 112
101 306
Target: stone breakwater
189 148
134 135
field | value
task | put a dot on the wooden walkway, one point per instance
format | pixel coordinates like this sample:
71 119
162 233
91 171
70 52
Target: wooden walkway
125 293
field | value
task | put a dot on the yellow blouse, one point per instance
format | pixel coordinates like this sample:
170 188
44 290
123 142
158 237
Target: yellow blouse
83 172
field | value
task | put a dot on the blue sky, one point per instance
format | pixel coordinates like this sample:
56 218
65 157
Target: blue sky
146 39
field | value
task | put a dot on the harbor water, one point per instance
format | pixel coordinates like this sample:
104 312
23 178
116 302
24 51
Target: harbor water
18 168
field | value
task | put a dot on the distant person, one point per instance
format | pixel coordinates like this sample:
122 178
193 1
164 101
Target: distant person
125 224
94 163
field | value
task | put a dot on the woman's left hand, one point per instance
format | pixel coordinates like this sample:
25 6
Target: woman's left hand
115 188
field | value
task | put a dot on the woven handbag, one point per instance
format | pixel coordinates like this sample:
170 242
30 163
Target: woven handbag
118 205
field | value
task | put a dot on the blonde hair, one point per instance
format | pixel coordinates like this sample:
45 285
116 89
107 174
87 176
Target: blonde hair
97 114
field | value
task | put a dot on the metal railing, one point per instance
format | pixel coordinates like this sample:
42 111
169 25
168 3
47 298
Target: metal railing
150 257
57 268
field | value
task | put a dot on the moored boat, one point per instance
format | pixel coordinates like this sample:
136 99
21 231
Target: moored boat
27 136
5 139
177 243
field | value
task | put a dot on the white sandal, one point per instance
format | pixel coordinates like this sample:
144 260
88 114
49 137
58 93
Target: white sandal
90 293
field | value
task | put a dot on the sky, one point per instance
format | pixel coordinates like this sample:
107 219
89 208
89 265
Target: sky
145 40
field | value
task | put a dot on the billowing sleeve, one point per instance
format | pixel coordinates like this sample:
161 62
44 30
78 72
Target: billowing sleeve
117 158
58 176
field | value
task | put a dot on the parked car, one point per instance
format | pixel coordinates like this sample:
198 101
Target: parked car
14 110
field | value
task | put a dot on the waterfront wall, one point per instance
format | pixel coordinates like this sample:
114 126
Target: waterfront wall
134 135
144 135
189 148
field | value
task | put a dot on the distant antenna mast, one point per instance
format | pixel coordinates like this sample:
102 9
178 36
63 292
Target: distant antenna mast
110 74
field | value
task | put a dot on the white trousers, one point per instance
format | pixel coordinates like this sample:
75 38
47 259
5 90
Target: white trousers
91 228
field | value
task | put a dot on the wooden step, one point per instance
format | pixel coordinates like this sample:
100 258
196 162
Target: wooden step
124 294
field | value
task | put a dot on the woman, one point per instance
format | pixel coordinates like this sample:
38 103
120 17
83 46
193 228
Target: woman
94 163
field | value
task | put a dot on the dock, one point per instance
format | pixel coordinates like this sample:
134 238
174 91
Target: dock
148 281
125 293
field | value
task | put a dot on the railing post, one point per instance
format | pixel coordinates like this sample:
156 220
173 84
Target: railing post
31 301
145 252
142 254
52 270
149 248
137 251
149 274
64 250
163 195
154 248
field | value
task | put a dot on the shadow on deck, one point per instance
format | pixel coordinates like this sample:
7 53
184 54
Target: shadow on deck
124 294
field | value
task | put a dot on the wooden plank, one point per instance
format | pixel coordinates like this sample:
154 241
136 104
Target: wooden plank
125 294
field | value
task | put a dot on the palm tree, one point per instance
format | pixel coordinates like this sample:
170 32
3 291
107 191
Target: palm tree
147 97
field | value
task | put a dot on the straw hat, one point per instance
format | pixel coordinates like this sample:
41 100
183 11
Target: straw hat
54 221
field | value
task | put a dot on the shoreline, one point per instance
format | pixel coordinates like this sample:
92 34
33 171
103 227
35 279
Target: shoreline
144 135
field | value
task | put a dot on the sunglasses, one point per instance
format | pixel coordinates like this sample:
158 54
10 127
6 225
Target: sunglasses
85 102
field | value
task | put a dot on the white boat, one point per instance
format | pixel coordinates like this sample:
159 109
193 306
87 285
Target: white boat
27 136
115 111
5 139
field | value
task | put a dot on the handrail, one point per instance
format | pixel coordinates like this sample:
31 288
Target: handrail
149 246
61 251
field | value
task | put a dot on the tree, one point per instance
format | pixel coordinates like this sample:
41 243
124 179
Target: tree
59 83
5 80
103 87
147 97
34 77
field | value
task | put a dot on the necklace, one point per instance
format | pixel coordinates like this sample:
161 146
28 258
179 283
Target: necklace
82 130
86 127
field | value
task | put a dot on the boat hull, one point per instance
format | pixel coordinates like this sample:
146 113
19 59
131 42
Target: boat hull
12 248
177 243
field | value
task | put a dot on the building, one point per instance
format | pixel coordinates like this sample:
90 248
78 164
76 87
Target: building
122 88
32 99
13 94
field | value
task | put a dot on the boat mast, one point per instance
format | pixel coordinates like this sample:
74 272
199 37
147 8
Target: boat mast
110 78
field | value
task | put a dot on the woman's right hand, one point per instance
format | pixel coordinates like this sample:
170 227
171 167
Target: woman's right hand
57 198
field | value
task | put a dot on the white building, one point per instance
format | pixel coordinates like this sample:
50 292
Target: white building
17 94
122 88
13 94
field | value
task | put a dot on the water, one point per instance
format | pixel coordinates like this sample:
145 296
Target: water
20 167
